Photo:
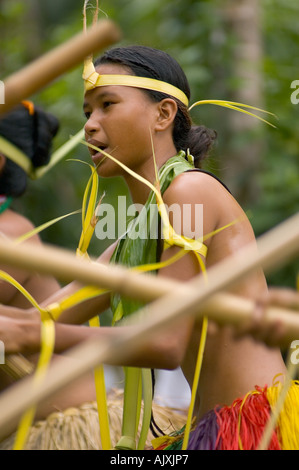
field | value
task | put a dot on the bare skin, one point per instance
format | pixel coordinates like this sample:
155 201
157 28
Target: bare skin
118 120
12 226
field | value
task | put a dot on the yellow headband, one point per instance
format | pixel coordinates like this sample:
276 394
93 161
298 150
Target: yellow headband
92 80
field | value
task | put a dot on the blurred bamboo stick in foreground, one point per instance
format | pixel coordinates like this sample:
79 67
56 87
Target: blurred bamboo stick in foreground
274 249
51 65
173 301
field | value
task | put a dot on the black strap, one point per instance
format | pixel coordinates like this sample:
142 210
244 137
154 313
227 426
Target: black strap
211 174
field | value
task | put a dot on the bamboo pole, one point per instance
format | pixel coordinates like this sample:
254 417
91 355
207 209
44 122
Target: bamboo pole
15 401
273 249
143 287
201 300
51 65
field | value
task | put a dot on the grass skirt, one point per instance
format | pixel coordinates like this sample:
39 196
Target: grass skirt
241 425
78 428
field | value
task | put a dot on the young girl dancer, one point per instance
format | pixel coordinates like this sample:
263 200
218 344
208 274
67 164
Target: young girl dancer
136 105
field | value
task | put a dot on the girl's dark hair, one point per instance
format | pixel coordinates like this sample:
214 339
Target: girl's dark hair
33 135
152 63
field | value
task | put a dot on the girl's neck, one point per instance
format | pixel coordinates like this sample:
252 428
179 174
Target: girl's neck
139 190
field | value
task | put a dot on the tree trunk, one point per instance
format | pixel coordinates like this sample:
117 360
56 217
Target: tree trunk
245 148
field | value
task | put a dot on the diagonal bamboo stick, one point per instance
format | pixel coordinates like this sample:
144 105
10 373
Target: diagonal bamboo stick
273 249
129 284
51 65
202 300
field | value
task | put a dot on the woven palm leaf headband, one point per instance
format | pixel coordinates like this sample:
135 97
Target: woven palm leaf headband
92 80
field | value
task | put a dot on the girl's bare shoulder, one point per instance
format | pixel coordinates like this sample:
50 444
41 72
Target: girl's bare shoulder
196 185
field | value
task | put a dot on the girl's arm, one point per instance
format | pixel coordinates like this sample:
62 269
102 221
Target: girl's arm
20 328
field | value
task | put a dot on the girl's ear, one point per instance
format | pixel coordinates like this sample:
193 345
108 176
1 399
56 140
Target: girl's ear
167 110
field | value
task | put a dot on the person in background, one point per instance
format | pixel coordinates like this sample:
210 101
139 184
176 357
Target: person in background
32 131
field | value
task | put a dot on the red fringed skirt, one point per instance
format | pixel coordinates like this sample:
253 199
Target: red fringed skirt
241 426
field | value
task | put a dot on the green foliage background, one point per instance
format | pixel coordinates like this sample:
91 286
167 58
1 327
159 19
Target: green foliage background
196 33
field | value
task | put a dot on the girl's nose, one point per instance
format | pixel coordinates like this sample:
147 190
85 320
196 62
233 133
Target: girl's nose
92 125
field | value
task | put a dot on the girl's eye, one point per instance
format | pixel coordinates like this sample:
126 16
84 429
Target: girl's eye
87 115
106 104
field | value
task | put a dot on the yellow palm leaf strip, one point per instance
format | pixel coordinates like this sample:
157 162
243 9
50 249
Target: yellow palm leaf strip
236 107
122 165
95 15
47 348
55 311
199 360
160 264
197 372
196 247
42 227
89 230
7 278
85 293
88 212
59 154
89 221
90 207
16 155
101 398
170 236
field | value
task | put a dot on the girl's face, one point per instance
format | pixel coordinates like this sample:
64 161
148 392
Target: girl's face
120 120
